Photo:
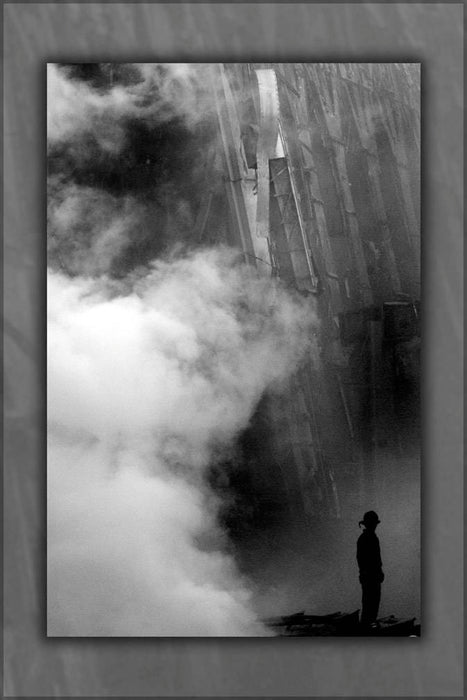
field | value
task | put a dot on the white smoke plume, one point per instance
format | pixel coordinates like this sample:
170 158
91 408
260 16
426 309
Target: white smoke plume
88 228
158 92
73 108
145 385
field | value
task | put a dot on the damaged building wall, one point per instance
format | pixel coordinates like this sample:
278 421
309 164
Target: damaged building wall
320 168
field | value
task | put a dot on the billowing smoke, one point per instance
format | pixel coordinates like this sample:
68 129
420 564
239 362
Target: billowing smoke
88 228
127 146
157 360
100 105
149 381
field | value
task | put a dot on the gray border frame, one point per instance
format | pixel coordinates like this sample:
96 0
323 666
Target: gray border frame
428 32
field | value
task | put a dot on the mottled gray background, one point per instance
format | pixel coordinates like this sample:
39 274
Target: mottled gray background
37 666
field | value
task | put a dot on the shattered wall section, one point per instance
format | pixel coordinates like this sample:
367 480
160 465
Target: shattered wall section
343 223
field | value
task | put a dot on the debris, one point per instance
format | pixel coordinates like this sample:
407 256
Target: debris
341 624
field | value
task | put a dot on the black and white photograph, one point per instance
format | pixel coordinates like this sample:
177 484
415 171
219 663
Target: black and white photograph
233 350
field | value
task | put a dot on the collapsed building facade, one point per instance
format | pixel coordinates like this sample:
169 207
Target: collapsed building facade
315 178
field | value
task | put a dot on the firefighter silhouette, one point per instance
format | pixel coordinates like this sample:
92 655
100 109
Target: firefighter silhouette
370 568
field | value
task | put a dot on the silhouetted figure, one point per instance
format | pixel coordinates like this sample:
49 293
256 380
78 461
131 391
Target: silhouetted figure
370 567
